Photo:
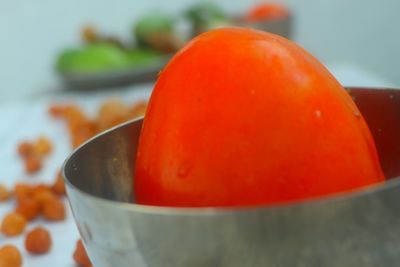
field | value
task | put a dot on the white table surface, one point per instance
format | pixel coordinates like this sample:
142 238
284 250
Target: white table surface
28 119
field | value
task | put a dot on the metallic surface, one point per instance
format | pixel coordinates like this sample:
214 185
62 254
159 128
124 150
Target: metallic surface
355 229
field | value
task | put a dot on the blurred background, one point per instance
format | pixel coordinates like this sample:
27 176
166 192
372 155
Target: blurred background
71 69
357 34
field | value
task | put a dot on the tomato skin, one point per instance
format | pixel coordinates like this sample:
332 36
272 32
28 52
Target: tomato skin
241 117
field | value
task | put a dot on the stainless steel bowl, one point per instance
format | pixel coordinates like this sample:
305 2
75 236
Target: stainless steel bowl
355 229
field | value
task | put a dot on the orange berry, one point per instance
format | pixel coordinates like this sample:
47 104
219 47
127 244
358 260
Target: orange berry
42 196
41 193
5 194
78 139
10 256
28 207
80 256
41 188
138 109
43 146
81 130
13 224
38 241
53 209
80 127
22 190
59 187
112 112
33 164
25 149
56 110
74 117
59 110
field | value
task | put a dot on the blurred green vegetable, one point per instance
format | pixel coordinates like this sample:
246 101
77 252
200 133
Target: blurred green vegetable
150 25
143 57
92 58
206 16
103 57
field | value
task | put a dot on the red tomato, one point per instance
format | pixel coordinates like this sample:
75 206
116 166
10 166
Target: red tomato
242 117
266 12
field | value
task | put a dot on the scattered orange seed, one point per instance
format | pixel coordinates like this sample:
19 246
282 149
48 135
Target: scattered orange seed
22 190
56 110
33 164
10 256
138 109
38 241
42 193
13 224
38 188
80 127
80 256
111 112
25 149
41 197
5 194
53 209
59 187
28 207
32 153
43 146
